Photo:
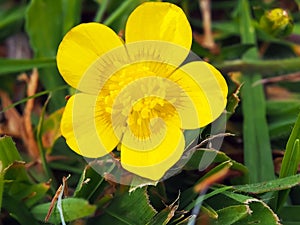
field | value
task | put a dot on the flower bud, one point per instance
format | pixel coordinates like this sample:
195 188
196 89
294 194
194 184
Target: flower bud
277 22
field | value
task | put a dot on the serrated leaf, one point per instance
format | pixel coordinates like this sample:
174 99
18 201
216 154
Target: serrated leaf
269 186
128 208
261 213
73 208
231 214
164 216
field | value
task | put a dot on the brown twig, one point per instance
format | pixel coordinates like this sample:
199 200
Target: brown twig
20 125
208 40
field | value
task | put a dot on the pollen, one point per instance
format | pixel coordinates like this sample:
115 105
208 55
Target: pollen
144 111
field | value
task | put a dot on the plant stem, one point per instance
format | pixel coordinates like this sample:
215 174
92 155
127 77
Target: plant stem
101 10
41 147
117 12
264 67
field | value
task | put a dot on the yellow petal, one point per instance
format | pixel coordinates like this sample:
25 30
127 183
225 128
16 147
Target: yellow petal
154 163
219 78
87 133
203 94
81 46
159 21
124 64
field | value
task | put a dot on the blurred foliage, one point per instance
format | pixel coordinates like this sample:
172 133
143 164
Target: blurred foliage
254 179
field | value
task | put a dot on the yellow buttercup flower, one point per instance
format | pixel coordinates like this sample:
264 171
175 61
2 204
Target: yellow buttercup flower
142 93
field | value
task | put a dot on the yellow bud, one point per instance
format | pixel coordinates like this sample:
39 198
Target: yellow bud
277 22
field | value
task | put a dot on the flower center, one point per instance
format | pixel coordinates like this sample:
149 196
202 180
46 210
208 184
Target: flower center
141 120
135 98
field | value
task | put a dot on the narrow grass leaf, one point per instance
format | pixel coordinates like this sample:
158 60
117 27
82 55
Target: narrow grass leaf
257 149
273 185
219 157
290 161
291 157
20 65
11 20
71 13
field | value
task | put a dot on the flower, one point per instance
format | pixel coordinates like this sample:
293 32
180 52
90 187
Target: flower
140 94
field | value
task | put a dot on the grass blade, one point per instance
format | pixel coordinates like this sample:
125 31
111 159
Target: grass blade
257 149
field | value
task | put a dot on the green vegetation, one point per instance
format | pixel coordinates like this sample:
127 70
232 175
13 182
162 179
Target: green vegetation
253 179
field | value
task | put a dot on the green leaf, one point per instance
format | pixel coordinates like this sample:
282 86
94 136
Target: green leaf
19 180
257 148
261 214
216 157
35 192
122 10
20 65
190 136
260 211
18 210
164 216
86 189
128 208
233 102
186 199
14 178
1 184
200 198
51 129
73 208
291 157
234 51
290 161
290 214
44 35
282 115
8 151
44 38
267 68
231 214
273 185
11 20
71 13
